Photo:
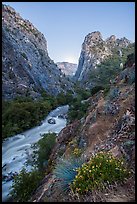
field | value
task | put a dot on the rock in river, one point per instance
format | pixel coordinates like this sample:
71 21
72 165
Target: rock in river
51 121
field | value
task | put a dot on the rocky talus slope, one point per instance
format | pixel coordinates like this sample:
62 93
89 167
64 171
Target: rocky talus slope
67 68
26 67
109 126
95 50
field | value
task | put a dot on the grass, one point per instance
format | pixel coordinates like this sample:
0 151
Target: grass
65 172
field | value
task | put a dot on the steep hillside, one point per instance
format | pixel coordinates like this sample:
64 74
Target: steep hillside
108 126
96 51
26 67
67 68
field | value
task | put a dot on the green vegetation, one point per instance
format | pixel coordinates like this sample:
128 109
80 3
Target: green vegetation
130 60
65 172
102 169
114 93
127 51
42 151
74 149
78 104
110 67
24 185
21 114
77 110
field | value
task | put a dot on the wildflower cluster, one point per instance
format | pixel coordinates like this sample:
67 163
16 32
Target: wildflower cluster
103 168
74 148
77 152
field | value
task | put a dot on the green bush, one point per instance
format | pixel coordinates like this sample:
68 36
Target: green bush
114 93
130 60
21 114
77 152
77 110
42 151
106 90
24 185
102 169
95 89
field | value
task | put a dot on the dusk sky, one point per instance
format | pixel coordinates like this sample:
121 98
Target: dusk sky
65 24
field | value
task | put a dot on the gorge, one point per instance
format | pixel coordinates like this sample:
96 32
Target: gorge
92 112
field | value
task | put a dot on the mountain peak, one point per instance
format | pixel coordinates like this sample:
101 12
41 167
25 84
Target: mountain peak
95 50
112 38
67 68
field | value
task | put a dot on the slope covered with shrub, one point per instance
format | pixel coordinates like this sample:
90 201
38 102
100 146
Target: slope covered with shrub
110 67
108 126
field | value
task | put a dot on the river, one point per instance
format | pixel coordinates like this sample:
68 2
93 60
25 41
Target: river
17 149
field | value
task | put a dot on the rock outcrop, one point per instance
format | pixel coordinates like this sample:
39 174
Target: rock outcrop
94 51
67 68
26 67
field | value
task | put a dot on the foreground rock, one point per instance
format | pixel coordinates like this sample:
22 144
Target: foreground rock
51 121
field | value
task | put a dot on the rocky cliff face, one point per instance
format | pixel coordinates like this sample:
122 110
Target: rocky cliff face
26 67
67 68
95 50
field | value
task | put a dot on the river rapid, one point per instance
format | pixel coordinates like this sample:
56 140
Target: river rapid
17 149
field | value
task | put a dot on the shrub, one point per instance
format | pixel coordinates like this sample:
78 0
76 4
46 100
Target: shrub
130 60
77 152
106 90
42 151
131 77
95 89
111 108
114 93
65 172
24 184
77 110
23 113
103 168
73 145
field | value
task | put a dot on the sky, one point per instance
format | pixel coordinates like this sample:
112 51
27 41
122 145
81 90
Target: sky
65 24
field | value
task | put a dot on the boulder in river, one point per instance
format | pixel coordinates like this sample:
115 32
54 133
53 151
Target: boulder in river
51 121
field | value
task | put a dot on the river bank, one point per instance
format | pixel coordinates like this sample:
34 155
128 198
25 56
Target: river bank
17 149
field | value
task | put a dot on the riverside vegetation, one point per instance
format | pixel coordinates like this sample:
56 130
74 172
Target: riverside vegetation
26 182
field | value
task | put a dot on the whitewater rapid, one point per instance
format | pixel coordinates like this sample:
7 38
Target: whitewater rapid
17 149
